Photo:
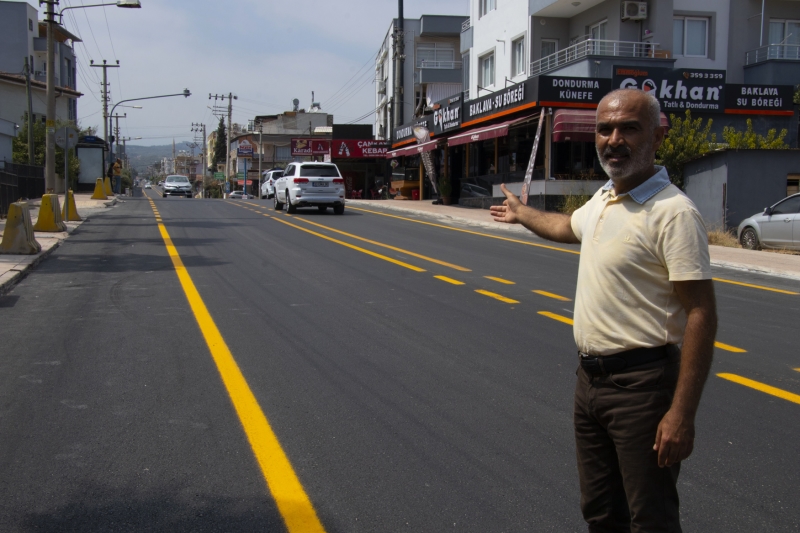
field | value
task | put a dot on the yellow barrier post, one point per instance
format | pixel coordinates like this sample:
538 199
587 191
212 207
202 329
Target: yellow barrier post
71 214
18 237
99 190
49 215
107 186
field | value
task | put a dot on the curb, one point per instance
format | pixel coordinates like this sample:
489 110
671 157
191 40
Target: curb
10 279
756 270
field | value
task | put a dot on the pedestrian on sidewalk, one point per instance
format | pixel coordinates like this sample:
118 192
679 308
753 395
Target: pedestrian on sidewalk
645 321
117 176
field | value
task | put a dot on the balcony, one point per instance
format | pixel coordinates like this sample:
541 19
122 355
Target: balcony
597 47
425 63
790 52
774 64
439 71
467 24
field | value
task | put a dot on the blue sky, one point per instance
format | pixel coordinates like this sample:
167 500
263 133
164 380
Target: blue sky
267 52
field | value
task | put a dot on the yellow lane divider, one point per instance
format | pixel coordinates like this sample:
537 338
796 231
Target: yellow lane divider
496 296
500 280
401 250
729 348
449 280
554 316
768 389
293 503
552 295
470 232
755 286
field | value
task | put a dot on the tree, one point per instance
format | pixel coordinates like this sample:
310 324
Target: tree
20 148
749 139
220 143
686 140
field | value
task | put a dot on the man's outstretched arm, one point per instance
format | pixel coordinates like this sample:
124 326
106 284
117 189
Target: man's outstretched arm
551 226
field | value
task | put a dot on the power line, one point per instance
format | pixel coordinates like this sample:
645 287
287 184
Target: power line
355 92
368 75
371 59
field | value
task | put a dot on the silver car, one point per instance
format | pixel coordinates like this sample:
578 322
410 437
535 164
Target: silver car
177 186
777 227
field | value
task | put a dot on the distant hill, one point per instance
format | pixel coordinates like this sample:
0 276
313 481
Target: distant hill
142 156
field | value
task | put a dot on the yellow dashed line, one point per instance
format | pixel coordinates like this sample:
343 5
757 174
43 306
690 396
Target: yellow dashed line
554 316
449 280
500 280
729 348
554 296
768 389
496 296
761 287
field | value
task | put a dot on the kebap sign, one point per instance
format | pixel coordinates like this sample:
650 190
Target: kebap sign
676 89
501 102
306 146
563 91
447 114
356 149
759 99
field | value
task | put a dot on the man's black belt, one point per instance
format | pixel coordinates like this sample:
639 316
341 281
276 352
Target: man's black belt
601 365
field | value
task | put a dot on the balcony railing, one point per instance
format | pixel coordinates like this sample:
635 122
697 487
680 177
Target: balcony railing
773 51
596 47
466 25
424 63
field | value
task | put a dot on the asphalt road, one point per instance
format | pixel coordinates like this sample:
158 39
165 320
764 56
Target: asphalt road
402 397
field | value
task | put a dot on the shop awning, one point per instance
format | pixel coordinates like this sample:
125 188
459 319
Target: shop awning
579 124
413 150
237 181
486 132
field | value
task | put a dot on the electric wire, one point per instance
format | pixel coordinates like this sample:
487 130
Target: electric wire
357 73
365 76
355 92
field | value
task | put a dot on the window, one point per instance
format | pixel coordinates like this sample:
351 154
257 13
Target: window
465 74
785 33
435 55
486 71
690 37
283 153
486 5
30 25
598 33
518 57
787 207
549 47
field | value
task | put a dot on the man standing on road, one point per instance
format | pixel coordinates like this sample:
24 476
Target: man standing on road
644 288
117 176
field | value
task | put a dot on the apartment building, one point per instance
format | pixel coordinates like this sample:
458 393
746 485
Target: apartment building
432 68
23 36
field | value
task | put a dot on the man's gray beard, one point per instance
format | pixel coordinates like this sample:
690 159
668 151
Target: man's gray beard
637 162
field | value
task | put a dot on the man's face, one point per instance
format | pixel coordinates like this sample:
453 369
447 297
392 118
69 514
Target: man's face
626 141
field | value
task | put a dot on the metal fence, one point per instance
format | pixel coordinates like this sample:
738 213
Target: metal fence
773 51
19 182
596 47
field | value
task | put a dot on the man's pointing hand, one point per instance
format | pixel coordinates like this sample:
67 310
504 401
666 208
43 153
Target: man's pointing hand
508 211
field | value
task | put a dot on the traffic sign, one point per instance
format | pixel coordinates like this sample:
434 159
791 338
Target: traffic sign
67 137
219 175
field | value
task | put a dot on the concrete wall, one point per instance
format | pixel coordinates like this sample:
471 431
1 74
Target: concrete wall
14 103
16 38
774 71
495 32
755 179
8 130
554 187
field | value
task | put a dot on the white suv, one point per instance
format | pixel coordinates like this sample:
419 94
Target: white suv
310 184
268 186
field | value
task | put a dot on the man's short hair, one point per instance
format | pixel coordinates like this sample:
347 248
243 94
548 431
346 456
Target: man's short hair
653 107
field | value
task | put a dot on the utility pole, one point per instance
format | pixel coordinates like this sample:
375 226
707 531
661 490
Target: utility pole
231 97
399 56
105 66
260 153
115 132
196 127
31 147
50 119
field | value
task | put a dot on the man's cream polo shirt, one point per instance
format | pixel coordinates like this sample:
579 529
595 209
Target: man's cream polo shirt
633 247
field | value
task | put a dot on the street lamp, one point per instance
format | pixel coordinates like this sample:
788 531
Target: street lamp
186 94
50 143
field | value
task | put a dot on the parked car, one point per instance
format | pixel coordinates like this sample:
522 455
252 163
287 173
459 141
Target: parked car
310 184
148 186
176 185
240 195
777 227
268 186
470 190
161 183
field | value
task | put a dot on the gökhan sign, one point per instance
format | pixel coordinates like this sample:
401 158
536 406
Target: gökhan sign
447 114
676 89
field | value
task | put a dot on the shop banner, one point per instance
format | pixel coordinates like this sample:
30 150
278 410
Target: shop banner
501 102
358 149
244 149
308 146
447 114
759 99
676 89
562 91
405 133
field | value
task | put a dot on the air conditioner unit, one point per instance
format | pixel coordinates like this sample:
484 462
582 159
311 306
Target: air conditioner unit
634 11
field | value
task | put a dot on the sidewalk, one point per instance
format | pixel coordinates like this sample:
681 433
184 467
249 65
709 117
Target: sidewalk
14 267
772 264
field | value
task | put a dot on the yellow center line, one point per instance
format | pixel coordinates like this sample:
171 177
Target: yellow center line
768 389
500 280
797 369
353 247
449 280
401 250
755 286
729 348
554 316
496 296
554 296
293 503
470 232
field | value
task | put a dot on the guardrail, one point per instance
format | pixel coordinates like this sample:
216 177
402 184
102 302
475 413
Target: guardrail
424 63
596 47
773 51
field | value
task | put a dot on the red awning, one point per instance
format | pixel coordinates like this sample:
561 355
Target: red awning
579 124
485 133
413 150
237 181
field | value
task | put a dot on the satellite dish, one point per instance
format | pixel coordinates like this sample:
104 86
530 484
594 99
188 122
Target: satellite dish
296 104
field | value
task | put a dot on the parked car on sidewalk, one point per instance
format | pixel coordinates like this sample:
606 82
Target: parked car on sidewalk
268 185
176 185
777 227
240 195
310 184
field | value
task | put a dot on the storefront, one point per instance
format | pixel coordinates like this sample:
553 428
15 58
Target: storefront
362 163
